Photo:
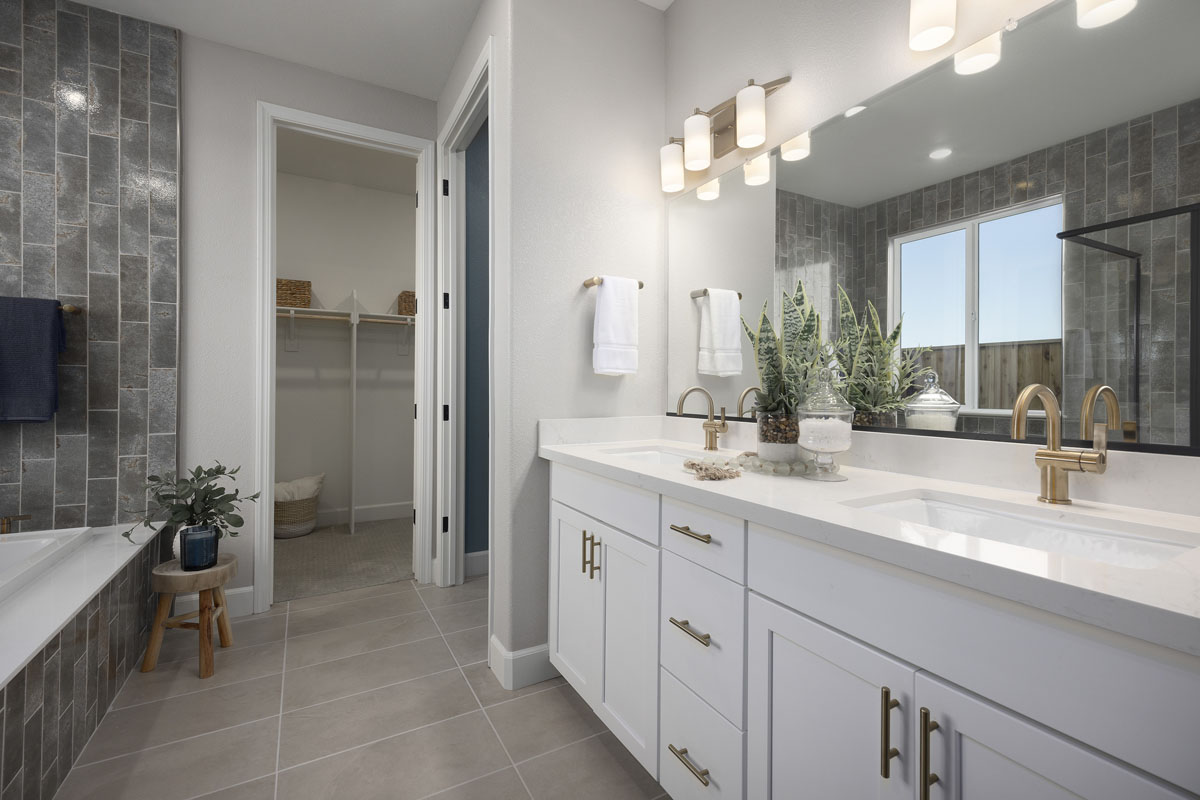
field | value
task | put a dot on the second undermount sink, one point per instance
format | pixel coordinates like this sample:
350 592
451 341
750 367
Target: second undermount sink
1083 536
653 455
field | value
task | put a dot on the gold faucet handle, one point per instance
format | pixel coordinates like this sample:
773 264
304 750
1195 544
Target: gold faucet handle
724 426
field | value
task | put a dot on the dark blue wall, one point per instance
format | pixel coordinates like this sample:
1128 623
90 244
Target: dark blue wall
476 311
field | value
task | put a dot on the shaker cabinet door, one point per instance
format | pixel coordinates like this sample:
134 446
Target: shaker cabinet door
576 634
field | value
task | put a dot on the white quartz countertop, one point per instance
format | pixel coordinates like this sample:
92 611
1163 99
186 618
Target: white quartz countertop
32 616
1158 604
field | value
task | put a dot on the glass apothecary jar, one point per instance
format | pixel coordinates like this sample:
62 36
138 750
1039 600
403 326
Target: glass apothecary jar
933 409
825 424
777 432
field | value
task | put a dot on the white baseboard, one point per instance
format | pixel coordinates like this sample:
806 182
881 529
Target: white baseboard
516 670
375 513
475 563
240 600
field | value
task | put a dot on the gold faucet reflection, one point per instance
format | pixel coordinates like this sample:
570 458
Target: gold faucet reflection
741 406
712 428
6 522
1055 462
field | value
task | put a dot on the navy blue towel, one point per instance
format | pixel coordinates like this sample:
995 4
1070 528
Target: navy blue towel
31 336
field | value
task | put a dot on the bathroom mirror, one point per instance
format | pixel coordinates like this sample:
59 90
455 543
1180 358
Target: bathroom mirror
1028 223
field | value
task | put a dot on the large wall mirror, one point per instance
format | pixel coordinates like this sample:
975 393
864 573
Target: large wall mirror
1031 223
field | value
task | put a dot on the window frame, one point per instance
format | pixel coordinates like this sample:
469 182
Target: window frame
970 225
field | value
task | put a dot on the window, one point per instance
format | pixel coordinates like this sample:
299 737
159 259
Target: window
985 295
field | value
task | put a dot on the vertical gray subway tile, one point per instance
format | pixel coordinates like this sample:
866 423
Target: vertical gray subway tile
72 399
135 35
102 443
163 456
72 190
1166 160
135 153
134 355
163 137
72 48
131 488
37 275
103 308
1074 167
1141 194
72 256
104 231
10 280
37 440
104 170
103 369
38 62
10 155
38 208
104 38
71 517
1118 143
101 510
1166 121
71 102
104 100
164 70
10 85
10 228
163 400
70 471
135 85
10 501
38 122
163 335
37 492
10 33
75 326
131 423
1189 169
164 265
135 291
10 103
10 454
164 204
14 727
40 13
135 221
1118 188
1095 174
1095 144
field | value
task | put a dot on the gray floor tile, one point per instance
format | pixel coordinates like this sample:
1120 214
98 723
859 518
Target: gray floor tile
247 632
179 677
469 646
487 687
346 676
354 612
461 616
437 596
404 767
503 785
538 723
599 768
350 640
261 789
379 590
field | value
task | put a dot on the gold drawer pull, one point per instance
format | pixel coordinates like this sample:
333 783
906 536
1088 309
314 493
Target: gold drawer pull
584 547
701 774
926 777
593 565
886 751
686 530
703 638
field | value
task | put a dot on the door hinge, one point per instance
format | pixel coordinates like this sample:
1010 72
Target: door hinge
445 524
445 187
417 199
446 413
414 410
414 516
445 299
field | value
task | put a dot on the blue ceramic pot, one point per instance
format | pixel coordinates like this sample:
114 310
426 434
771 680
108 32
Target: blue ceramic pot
198 547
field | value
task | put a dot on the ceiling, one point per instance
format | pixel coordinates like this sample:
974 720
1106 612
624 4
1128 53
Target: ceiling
1054 82
330 160
661 5
406 45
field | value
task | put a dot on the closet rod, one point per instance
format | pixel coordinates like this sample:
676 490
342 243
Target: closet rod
289 315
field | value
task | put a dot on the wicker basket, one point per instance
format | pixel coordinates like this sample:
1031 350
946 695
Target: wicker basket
293 294
295 517
406 304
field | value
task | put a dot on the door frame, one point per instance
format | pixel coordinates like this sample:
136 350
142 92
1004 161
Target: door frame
471 109
271 118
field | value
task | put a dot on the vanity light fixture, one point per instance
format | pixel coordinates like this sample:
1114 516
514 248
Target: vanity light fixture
796 148
940 153
697 141
982 55
930 23
670 164
758 170
710 190
751 115
853 111
1095 13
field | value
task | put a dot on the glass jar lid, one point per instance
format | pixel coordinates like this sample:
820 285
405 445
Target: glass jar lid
933 397
824 399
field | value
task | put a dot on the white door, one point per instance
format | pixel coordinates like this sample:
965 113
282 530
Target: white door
825 713
979 751
628 568
576 632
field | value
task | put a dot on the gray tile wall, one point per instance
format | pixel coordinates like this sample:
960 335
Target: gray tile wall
53 705
89 214
818 241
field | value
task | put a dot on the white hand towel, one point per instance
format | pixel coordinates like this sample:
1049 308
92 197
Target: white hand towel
720 333
615 332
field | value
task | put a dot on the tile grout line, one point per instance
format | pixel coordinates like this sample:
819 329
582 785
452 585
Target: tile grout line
161 745
560 747
464 783
355 600
282 684
234 786
491 724
368 691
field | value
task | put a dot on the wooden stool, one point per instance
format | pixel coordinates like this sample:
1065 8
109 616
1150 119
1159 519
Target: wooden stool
169 579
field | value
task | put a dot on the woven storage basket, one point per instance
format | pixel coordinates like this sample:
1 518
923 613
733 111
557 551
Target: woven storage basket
406 304
293 294
295 517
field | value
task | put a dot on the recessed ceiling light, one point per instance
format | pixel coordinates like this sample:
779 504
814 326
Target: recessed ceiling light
940 153
1094 13
850 112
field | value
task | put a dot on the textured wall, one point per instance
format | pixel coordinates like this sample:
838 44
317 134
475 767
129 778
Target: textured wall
88 214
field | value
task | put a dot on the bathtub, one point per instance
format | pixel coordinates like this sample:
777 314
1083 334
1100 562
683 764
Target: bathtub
26 556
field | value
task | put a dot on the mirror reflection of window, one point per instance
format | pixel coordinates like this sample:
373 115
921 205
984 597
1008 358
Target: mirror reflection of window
985 296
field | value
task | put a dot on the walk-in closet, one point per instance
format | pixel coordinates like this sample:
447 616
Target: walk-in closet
346 317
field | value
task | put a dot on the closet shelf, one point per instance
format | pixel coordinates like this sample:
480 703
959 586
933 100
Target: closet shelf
334 315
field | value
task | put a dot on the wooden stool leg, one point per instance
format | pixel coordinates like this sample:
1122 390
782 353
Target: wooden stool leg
205 625
223 626
156 631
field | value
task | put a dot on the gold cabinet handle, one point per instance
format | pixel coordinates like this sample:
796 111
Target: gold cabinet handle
703 638
584 549
681 754
686 530
595 566
886 751
926 777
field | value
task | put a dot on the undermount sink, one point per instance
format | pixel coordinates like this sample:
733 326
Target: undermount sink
654 455
1078 535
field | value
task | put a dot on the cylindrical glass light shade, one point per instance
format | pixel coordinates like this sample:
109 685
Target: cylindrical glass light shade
697 142
982 55
758 170
930 23
751 116
1094 13
710 190
797 147
670 163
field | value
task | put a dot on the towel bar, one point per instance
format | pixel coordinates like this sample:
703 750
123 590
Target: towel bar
704 292
596 280
69 309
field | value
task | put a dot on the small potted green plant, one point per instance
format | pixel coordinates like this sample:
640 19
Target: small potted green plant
879 376
200 508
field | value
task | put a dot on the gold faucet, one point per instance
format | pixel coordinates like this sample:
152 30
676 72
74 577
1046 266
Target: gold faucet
1055 462
712 428
6 522
1097 431
742 401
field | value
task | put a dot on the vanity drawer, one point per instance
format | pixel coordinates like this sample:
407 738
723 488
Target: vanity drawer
705 644
711 743
620 505
711 539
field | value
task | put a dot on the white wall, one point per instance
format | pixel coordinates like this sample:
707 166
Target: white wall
838 54
343 237
221 87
